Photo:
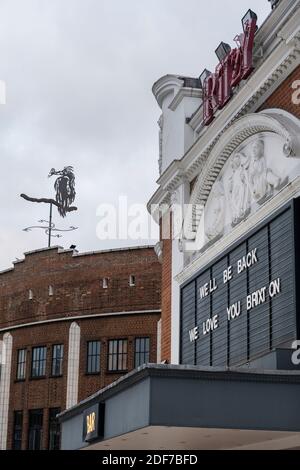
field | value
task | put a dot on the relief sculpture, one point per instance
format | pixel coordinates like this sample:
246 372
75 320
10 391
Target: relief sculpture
262 180
216 222
239 194
247 181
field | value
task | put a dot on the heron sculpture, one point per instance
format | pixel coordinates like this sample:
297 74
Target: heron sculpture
65 195
65 188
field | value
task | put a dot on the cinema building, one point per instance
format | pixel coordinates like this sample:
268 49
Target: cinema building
229 191
70 324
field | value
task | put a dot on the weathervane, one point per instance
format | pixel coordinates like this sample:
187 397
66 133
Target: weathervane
65 196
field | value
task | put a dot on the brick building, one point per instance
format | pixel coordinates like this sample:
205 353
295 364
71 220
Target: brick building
71 324
229 189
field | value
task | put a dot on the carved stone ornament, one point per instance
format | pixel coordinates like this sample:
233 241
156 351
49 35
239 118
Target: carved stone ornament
216 224
253 160
252 175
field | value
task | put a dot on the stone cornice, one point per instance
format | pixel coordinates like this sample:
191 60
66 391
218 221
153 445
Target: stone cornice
185 93
166 85
73 318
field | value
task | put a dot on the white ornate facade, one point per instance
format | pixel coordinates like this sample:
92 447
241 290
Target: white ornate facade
241 167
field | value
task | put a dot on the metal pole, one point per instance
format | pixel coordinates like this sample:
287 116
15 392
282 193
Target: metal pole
50 226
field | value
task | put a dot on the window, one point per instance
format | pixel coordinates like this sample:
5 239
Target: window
21 364
54 429
132 281
105 281
35 431
18 426
117 355
57 360
141 351
38 365
93 357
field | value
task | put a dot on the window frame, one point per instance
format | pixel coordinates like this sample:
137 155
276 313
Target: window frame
143 352
17 428
37 413
23 364
92 356
39 360
55 428
116 354
60 359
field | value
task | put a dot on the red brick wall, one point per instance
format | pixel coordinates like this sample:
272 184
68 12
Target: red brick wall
77 283
128 328
282 97
51 392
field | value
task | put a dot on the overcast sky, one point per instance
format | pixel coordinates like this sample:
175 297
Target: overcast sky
79 75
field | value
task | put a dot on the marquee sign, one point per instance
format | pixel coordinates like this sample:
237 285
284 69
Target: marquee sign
235 65
243 305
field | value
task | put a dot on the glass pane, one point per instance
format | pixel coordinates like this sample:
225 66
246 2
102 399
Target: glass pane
124 366
34 354
115 362
120 362
43 368
98 363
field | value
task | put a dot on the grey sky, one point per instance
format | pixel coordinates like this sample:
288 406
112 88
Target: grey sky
79 75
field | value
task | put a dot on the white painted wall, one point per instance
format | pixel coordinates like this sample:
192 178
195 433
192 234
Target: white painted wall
181 197
177 104
177 135
158 357
6 355
73 365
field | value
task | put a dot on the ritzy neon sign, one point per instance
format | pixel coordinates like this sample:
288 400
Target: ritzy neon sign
235 65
